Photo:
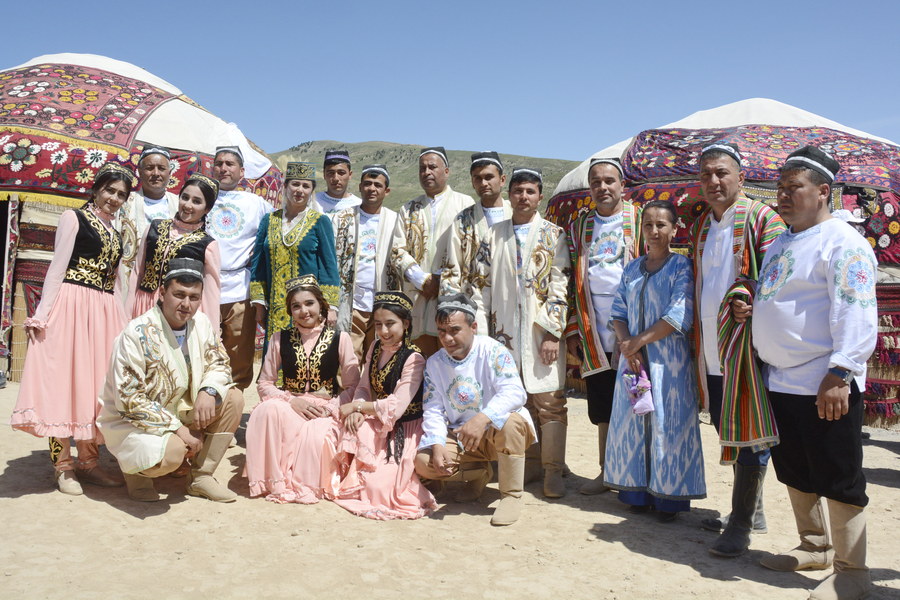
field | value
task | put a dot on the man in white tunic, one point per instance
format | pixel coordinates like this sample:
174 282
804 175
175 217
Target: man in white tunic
420 243
337 196
153 201
234 221
814 326
601 242
470 226
730 239
525 262
363 236
169 387
474 412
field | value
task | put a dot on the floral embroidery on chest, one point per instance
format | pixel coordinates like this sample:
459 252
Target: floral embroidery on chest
607 249
226 221
465 394
776 274
854 278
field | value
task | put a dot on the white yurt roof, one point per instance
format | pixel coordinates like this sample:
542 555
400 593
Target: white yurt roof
753 111
176 123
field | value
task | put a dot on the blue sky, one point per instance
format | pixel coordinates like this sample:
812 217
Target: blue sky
551 79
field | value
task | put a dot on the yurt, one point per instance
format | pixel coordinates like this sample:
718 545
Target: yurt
61 117
663 163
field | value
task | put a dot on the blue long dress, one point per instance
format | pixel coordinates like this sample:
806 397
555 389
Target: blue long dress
656 459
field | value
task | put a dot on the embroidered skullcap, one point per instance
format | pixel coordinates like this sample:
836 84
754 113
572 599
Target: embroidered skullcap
300 170
810 157
456 302
380 169
236 150
730 149
203 181
301 282
154 150
608 161
528 171
439 150
392 299
114 167
190 268
338 155
489 157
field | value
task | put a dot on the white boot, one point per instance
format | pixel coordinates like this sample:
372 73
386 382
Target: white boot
510 480
814 551
202 483
851 579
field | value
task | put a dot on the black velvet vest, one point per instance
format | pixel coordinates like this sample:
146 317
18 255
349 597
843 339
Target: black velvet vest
383 381
319 369
161 248
96 254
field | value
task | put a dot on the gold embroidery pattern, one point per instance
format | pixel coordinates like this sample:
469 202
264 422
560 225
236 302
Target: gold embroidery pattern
98 272
309 368
542 259
166 249
377 376
345 244
415 232
283 264
140 394
56 449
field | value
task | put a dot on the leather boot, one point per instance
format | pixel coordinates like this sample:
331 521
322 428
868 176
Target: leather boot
141 488
88 469
596 485
553 456
759 519
476 477
201 482
735 539
851 579
510 480
814 551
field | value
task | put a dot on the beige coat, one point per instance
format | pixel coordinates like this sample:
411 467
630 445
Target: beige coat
519 317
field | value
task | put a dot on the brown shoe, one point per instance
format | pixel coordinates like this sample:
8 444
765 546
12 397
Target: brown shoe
97 476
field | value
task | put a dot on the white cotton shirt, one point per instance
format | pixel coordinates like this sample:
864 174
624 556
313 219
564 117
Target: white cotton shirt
606 262
366 251
329 205
493 215
717 263
234 222
156 209
815 307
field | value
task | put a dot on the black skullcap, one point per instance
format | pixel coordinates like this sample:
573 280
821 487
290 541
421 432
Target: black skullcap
488 156
337 155
730 149
810 157
236 150
457 302
379 169
608 161
439 150
184 267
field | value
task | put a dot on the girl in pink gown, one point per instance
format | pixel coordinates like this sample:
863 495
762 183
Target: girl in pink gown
71 334
383 424
295 429
184 236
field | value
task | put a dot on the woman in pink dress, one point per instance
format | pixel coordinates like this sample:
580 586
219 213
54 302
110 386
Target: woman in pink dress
71 335
383 424
295 428
184 236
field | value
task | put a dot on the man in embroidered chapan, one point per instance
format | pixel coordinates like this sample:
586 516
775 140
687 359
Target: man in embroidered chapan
234 221
816 370
168 380
601 242
729 241
336 197
420 243
153 201
459 274
526 307
474 412
363 237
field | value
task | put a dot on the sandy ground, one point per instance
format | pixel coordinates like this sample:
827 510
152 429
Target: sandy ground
103 545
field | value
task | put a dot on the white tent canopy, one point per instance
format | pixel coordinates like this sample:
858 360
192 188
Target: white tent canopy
753 111
175 124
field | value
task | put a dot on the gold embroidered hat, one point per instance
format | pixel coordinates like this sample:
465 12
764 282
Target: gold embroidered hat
114 167
392 298
301 282
299 170
212 184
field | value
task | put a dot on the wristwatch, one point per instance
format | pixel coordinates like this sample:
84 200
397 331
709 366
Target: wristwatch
212 392
845 374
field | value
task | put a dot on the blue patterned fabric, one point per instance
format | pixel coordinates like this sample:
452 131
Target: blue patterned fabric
660 452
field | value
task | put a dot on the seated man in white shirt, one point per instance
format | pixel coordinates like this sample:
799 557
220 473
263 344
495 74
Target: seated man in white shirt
474 412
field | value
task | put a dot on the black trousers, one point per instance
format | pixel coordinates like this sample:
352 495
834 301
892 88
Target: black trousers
818 456
600 390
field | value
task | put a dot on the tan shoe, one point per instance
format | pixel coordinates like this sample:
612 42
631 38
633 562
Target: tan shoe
202 483
97 476
511 476
68 484
596 486
141 488
476 477
553 455
814 551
